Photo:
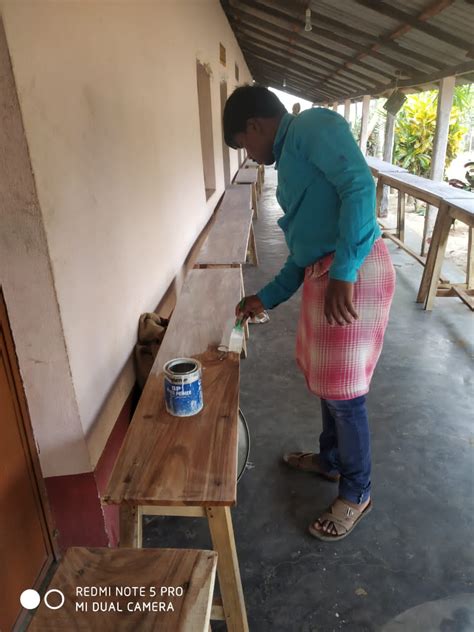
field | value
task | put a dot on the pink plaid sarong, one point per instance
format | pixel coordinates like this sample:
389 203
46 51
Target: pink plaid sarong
338 362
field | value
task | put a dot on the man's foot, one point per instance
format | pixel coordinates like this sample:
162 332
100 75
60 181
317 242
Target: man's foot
309 462
339 520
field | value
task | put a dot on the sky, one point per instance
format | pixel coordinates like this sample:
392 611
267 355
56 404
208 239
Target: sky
288 100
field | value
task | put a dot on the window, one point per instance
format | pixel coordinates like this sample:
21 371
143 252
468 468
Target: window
205 123
222 55
225 149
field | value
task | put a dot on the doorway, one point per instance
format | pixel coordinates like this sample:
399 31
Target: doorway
27 549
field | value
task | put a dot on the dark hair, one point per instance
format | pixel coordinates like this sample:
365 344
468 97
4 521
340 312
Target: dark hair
248 102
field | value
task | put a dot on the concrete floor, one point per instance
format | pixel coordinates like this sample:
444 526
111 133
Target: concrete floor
409 565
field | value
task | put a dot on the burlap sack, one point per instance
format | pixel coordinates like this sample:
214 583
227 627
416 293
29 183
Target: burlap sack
151 329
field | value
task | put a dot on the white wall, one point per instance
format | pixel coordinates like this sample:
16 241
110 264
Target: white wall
108 97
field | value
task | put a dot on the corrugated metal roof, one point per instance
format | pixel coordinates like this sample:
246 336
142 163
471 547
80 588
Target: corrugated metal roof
355 47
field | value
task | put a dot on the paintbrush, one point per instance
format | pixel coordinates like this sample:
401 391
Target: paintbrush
237 336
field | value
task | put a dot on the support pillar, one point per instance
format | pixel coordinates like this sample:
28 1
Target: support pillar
347 110
440 144
388 157
364 126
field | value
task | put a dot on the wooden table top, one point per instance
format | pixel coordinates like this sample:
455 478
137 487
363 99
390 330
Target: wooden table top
250 163
246 176
430 191
376 166
166 460
227 241
149 570
463 209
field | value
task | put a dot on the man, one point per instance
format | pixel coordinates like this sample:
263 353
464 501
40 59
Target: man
327 194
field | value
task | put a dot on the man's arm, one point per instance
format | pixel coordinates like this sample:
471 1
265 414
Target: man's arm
283 286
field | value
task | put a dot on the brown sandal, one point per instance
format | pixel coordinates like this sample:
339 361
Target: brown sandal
342 516
304 461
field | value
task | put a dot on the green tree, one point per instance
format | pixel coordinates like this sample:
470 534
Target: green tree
415 131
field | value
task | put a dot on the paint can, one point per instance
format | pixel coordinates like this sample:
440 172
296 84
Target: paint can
183 387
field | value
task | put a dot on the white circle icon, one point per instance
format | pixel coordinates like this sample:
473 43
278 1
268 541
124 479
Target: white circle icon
45 599
30 599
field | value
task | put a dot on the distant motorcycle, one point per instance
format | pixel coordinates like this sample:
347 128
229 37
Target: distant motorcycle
468 184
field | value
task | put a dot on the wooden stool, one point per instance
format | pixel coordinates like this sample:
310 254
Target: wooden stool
172 466
250 176
449 211
141 590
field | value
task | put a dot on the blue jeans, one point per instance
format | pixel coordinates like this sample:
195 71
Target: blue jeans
344 446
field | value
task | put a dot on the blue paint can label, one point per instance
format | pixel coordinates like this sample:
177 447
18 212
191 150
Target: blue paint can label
183 387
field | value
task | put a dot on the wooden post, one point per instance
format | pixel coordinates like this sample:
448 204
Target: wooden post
364 125
440 144
387 156
347 110
335 105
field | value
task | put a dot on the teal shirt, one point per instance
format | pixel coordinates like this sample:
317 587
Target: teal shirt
327 194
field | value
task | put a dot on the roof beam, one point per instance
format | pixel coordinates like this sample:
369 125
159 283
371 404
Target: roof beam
252 32
275 69
418 23
298 58
285 73
286 62
304 92
421 79
238 18
372 48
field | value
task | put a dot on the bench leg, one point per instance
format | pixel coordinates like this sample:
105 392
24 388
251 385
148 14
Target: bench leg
222 534
401 216
130 526
253 246
434 262
470 260
254 200
429 263
378 196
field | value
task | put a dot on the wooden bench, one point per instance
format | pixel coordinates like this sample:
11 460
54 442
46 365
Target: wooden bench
188 466
429 191
231 237
249 176
251 164
150 570
450 210
378 166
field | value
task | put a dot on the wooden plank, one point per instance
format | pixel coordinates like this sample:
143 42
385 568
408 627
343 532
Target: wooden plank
228 239
423 189
463 210
166 460
184 512
130 526
149 570
429 281
401 216
246 176
465 296
230 584
376 166
470 260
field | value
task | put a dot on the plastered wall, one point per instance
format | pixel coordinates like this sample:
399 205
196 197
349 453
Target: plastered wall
107 97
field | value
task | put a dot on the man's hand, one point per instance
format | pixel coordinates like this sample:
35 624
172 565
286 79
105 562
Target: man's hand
248 307
338 307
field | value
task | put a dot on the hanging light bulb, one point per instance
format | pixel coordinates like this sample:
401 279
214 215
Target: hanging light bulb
307 25
284 82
